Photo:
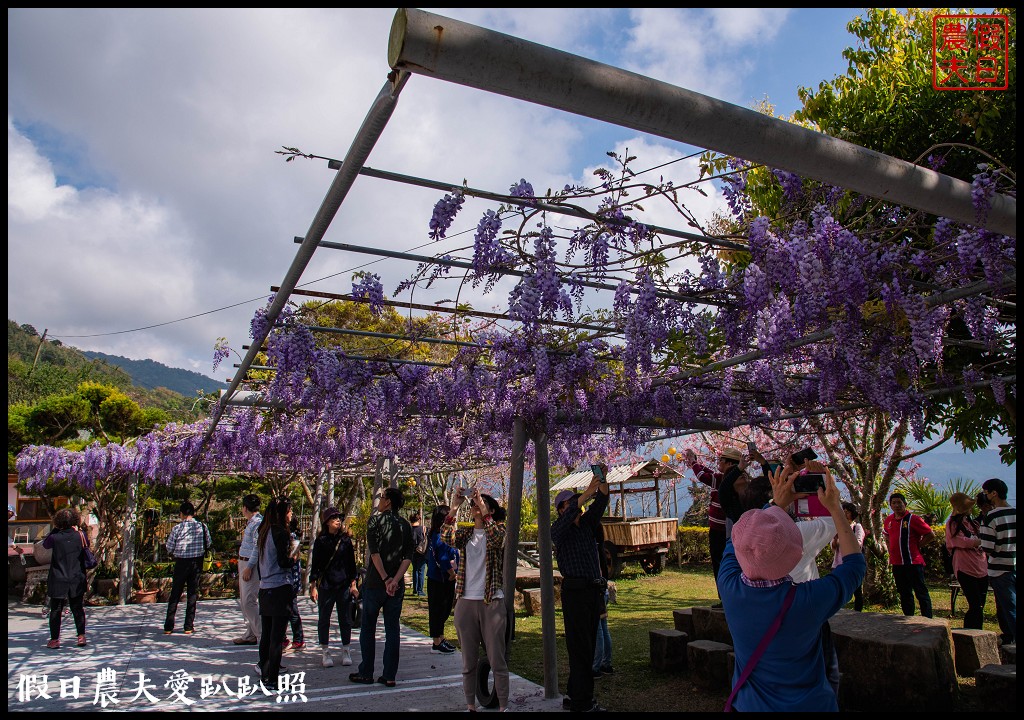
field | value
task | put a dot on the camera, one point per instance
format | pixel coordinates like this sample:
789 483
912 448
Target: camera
804 455
809 483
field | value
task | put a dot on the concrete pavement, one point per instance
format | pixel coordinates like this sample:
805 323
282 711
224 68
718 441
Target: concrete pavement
129 660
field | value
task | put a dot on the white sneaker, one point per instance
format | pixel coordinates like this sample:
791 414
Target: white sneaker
346 656
327 660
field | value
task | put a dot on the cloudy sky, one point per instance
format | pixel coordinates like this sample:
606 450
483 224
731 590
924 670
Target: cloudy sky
148 214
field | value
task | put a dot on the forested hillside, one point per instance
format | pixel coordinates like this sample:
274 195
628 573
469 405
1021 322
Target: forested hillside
150 374
60 369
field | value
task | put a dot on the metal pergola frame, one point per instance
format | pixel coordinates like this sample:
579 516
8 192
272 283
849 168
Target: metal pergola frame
446 49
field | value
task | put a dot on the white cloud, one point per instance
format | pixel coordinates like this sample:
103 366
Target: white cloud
706 51
178 112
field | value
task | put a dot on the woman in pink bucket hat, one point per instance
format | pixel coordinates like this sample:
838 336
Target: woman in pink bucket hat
776 624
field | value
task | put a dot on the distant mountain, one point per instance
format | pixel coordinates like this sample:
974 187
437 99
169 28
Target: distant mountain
150 374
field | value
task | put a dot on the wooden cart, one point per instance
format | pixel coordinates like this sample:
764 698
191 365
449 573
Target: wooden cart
643 539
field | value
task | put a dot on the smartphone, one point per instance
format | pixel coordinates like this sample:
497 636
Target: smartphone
809 483
466 491
810 506
751 447
598 472
804 455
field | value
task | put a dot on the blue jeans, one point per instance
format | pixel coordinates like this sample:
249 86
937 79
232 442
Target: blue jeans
419 572
374 601
603 650
1004 588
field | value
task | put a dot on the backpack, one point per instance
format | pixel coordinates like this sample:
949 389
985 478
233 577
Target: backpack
421 546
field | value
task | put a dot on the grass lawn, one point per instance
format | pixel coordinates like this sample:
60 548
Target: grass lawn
644 603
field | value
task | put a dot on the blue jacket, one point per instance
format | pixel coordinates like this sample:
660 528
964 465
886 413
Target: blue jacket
791 674
439 557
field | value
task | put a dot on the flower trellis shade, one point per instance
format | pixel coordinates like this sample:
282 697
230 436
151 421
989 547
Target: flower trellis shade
615 328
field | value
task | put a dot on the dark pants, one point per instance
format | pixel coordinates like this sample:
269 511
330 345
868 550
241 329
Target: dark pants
186 577
440 599
1004 589
910 582
828 650
329 599
296 622
581 611
858 598
716 543
376 600
975 590
275 614
77 612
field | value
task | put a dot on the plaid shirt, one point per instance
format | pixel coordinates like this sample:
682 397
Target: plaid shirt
188 539
494 564
576 545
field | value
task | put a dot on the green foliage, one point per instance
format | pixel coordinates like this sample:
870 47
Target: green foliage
925 499
61 369
886 101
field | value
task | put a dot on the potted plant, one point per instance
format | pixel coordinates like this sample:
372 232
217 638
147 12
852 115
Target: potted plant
106 579
146 585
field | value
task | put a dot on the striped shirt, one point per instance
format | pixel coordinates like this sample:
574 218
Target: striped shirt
716 516
999 540
188 539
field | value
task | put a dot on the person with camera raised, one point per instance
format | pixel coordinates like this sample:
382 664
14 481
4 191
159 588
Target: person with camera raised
775 622
573 534
480 615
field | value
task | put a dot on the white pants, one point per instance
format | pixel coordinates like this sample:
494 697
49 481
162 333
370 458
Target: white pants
248 597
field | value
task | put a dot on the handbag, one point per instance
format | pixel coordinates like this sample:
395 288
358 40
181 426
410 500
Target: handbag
322 580
91 560
208 553
761 647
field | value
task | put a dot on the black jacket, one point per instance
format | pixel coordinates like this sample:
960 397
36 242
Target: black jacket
344 560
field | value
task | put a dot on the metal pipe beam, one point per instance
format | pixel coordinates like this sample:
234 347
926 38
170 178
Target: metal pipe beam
547 571
369 132
605 329
538 205
458 52
517 470
466 265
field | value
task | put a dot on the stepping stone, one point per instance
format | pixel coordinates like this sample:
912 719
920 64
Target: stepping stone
973 650
683 618
668 649
709 664
997 686
709 624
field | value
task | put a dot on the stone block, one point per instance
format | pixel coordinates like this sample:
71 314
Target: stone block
668 649
683 618
878 652
709 624
709 664
974 649
531 601
997 685
1008 654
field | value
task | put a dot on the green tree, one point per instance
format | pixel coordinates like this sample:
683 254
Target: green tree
886 102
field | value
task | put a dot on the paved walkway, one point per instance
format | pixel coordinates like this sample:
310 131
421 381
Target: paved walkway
128 640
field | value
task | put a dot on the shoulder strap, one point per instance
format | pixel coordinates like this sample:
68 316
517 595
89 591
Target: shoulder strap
762 646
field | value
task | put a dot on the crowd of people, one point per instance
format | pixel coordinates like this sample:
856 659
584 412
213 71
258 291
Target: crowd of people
763 540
